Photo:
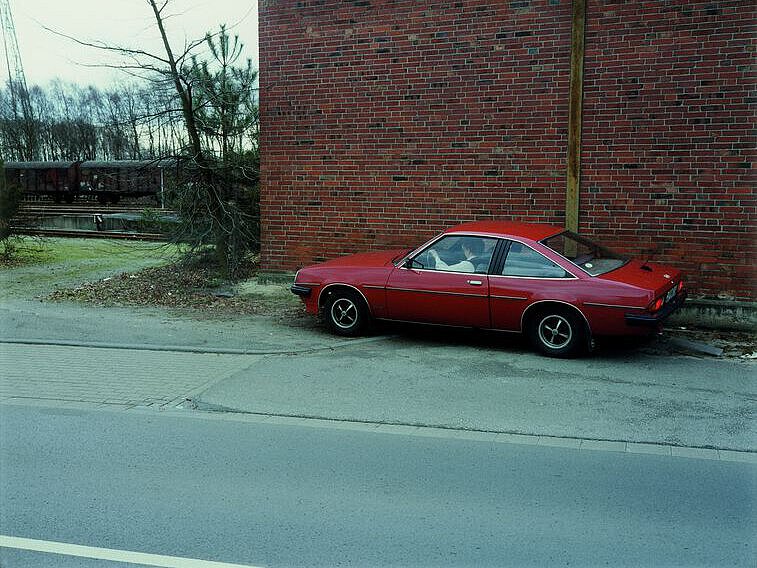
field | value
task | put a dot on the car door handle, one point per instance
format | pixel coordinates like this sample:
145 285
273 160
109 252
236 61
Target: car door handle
475 282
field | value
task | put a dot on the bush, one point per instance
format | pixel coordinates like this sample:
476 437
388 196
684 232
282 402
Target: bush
10 200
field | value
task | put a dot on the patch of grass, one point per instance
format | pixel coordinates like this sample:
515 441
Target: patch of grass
33 250
131 273
38 266
22 252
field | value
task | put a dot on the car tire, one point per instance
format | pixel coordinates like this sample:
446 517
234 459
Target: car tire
558 333
346 313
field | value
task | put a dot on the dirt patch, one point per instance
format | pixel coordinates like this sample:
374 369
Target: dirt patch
195 288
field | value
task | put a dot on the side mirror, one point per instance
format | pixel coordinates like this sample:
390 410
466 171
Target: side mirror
412 263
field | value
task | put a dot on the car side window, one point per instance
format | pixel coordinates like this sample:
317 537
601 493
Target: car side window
524 261
458 254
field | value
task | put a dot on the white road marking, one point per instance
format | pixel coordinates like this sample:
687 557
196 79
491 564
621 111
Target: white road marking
111 554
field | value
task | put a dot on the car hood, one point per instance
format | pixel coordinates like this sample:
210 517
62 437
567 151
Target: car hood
647 275
364 259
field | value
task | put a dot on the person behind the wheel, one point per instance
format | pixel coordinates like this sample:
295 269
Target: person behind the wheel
472 248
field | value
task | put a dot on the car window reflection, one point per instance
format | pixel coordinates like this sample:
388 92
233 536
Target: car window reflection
525 261
458 254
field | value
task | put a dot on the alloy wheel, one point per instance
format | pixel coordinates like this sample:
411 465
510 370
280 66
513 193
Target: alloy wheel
344 313
555 331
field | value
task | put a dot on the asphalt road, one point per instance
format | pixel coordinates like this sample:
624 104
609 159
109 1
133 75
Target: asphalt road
195 486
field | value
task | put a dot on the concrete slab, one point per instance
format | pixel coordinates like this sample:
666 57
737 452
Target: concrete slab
340 425
744 457
637 448
109 376
695 346
698 453
397 429
603 445
472 435
555 442
145 328
475 386
287 420
517 439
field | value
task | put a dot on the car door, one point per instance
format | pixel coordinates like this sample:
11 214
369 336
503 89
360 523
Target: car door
453 294
525 276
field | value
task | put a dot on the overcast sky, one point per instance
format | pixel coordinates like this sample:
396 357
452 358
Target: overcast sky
123 22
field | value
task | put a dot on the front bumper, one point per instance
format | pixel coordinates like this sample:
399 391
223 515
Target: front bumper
652 320
301 291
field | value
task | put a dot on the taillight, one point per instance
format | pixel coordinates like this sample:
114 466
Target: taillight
656 305
680 285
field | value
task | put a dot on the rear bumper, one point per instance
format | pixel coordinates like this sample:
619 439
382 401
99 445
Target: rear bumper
653 320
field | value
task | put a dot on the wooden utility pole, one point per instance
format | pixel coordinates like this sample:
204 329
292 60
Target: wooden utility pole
572 199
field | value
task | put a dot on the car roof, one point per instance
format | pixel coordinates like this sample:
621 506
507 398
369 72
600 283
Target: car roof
533 231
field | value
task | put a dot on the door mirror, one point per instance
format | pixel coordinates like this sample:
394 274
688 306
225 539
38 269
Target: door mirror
412 263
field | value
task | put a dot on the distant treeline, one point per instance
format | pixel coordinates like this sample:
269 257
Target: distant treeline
67 121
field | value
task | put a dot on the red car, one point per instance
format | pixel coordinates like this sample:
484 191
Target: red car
551 284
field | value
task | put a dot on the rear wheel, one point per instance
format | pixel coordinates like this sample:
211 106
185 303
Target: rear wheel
346 313
558 333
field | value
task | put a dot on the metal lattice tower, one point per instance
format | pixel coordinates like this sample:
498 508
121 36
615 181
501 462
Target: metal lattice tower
12 54
19 94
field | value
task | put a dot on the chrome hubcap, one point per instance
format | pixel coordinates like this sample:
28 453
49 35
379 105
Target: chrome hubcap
555 331
344 313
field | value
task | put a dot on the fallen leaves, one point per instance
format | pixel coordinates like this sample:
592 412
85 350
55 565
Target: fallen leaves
192 287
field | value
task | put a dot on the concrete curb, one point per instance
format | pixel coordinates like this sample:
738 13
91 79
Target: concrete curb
192 349
727 315
620 446
580 444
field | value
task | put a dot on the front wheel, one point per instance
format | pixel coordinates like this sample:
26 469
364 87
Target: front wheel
346 314
558 333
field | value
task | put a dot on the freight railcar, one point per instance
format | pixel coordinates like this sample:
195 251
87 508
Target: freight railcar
108 181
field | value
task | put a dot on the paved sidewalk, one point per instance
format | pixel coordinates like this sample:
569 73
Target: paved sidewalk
22 320
634 397
111 376
454 380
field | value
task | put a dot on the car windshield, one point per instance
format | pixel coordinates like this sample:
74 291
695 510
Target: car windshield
591 257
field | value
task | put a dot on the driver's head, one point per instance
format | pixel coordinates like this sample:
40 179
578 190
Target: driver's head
472 246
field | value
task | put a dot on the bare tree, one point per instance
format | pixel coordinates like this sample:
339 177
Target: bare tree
215 100
215 194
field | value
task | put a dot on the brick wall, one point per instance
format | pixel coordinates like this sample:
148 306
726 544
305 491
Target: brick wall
667 136
386 121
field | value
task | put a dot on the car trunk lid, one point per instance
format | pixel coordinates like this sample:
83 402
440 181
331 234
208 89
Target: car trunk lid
656 278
